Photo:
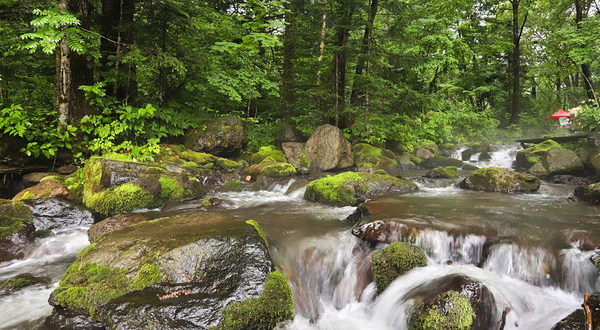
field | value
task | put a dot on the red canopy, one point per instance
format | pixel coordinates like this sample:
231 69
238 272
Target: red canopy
561 114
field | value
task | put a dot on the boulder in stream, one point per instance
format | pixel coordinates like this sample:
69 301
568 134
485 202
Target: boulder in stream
271 170
195 270
352 188
393 261
56 213
328 149
528 157
17 231
500 180
223 136
19 282
44 189
577 319
449 172
558 162
370 158
295 153
589 193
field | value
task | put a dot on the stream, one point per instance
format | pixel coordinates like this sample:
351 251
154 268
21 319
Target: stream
527 249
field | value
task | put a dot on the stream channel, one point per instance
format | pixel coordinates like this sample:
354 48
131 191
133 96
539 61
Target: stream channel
527 249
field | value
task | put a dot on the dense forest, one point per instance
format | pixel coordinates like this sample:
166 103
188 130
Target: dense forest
99 76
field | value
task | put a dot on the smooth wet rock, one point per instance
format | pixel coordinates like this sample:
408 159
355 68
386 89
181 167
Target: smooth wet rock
453 302
379 231
114 223
45 189
67 169
441 161
589 193
571 179
295 153
31 179
67 320
328 149
530 156
352 188
55 213
424 154
393 261
223 136
577 319
288 133
496 179
17 232
195 270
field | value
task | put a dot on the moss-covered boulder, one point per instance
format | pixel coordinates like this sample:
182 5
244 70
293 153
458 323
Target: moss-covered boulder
19 282
449 172
44 189
328 149
267 154
500 180
195 270
469 167
441 161
114 186
367 156
351 188
393 261
272 170
449 311
529 156
295 153
176 158
558 162
223 136
16 230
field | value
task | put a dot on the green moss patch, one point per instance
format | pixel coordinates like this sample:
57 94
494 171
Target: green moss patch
121 199
256 227
500 180
449 311
233 185
170 188
208 161
449 172
86 287
12 217
267 154
393 261
368 156
273 170
532 155
274 305
15 284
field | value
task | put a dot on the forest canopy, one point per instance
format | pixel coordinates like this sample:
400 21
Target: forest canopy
103 76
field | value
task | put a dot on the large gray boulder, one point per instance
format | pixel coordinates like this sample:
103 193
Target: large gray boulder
195 270
563 161
295 153
223 136
328 149
288 133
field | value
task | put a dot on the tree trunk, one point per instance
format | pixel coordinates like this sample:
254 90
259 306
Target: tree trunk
533 88
365 50
516 65
288 88
72 70
585 67
340 58
117 31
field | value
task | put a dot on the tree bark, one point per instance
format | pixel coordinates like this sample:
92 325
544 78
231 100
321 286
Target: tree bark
365 50
288 88
117 31
585 67
517 30
72 70
340 58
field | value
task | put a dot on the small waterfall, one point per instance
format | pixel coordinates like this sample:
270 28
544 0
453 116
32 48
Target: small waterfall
580 274
501 156
443 247
532 265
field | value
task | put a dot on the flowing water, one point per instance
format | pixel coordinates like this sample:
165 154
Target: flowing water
531 252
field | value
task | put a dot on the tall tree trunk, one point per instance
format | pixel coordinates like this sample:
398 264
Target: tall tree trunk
585 67
365 50
533 88
288 88
72 70
321 51
117 31
340 58
517 30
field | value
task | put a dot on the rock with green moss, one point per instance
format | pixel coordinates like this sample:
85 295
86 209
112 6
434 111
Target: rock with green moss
449 172
529 156
368 156
469 167
17 283
500 180
44 189
17 231
328 149
441 161
352 188
233 185
192 160
223 136
267 154
114 187
590 193
449 311
195 270
295 153
416 160
558 162
394 261
271 170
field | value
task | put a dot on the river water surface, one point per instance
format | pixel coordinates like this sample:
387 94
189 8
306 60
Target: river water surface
529 250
